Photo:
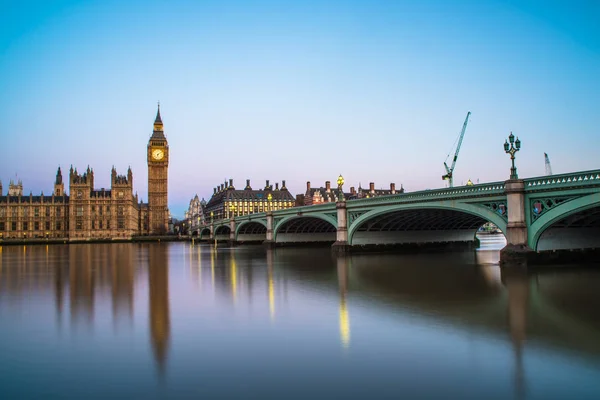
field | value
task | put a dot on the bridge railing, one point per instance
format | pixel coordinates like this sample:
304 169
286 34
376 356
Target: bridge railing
562 181
487 189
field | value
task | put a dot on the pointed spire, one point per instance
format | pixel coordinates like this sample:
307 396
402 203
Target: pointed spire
158 119
158 126
58 176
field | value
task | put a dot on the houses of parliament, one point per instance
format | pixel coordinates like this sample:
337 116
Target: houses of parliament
87 213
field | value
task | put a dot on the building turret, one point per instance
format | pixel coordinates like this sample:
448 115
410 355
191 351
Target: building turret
59 186
15 189
89 173
0 188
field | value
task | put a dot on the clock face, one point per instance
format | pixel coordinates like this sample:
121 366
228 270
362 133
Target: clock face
158 154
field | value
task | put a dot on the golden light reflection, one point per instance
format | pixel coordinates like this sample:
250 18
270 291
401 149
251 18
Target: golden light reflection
233 278
344 322
342 271
212 268
271 292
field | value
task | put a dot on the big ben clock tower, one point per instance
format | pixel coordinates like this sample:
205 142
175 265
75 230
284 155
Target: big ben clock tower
158 166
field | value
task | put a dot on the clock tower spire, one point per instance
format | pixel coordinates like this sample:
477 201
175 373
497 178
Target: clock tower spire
158 165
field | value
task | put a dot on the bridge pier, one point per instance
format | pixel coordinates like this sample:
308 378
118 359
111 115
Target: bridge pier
231 242
341 245
211 237
269 243
516 251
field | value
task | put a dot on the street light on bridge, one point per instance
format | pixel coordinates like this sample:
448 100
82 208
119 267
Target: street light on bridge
512 149
269 200
340 182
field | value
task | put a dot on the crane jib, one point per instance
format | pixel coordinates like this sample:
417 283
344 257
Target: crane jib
451 169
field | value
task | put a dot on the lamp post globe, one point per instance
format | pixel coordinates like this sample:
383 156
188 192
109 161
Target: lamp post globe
512 149
340 182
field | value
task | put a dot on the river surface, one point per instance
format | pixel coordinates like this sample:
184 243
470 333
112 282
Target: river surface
176 320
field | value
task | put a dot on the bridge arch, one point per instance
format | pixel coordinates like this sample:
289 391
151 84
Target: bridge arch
222 230
204 233
314 227
586 207
466 217
250 225
249 231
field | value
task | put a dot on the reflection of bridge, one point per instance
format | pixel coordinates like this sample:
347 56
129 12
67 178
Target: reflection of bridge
547 213
556 310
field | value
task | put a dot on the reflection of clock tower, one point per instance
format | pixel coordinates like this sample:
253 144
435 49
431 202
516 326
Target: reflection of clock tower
158 165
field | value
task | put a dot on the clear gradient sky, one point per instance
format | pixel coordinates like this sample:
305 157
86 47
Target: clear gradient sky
297 90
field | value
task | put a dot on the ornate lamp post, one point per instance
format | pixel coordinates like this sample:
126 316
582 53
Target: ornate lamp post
212 214
512 149
270 199
340 182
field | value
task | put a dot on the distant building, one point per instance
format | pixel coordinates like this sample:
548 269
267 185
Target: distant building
362 193
228 201
327 194
195 215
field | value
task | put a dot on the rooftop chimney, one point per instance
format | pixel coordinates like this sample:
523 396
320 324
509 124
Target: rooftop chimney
308 186
214 190
276 185
267 185
372 187
231 183
328 186
352 190
248 184
393 188
283 185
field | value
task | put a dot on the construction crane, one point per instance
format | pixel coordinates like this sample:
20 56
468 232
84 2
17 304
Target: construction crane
450 171
548 166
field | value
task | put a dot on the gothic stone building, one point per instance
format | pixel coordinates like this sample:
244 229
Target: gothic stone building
87 213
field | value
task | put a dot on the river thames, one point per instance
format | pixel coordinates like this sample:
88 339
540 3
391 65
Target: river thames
176 320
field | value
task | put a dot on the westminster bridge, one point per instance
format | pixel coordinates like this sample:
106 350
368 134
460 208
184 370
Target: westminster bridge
537 215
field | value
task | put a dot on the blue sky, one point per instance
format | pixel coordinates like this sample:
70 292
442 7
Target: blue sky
297 90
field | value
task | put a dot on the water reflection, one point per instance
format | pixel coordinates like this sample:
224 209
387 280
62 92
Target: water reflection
517 285
270 283
515 320
342 272
158 284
